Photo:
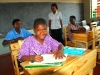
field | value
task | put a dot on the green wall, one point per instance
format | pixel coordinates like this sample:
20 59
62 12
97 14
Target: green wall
3 49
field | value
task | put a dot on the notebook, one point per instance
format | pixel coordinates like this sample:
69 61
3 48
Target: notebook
74 51
48 61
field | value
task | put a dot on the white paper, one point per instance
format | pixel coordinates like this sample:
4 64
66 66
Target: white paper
49 58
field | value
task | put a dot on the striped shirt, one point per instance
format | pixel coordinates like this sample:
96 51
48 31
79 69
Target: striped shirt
72 27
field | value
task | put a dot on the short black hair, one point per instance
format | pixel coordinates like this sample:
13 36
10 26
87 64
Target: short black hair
39 21
14 21
73 17
55 5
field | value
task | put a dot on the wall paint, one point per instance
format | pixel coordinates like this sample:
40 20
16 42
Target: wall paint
27 12
3 49
75 1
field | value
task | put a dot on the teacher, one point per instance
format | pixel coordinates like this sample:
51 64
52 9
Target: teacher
55 23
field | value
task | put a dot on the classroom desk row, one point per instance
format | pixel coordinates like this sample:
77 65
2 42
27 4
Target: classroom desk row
74 65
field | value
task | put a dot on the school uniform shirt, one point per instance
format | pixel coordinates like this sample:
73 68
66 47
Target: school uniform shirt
13 34
31 46
55 20
72 27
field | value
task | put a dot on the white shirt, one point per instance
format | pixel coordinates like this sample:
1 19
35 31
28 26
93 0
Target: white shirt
55 20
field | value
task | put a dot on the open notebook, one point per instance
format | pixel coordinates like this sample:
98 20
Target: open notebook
48 61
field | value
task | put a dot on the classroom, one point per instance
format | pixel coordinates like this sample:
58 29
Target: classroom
28 10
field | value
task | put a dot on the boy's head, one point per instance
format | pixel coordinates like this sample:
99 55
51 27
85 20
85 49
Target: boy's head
16 23
40 28
72 19
39 21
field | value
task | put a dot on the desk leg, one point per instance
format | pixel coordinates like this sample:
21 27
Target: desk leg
98 55
91 72
25 72
87 45
75 43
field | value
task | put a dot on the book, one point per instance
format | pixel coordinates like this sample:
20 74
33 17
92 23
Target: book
74 51
48 61
44 65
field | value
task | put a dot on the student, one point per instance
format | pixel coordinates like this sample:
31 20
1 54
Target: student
73 27
40 43
16 34
55 23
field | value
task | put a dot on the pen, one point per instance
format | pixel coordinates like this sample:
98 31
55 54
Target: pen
36 52
32 61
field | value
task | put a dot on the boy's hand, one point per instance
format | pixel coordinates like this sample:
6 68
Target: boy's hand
20 38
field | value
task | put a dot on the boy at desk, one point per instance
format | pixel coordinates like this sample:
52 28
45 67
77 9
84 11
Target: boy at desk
16 34
40 43
75 28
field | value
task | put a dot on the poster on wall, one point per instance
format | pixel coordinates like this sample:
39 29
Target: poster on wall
95 6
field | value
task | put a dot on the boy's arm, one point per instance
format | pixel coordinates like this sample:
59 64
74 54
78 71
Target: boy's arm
80 30
6 42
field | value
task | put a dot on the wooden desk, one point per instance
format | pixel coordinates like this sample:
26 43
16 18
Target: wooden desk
85 38
82 65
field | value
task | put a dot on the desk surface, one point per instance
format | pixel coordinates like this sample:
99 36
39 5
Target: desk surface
72 66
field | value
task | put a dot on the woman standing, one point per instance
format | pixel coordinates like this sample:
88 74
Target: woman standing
55 23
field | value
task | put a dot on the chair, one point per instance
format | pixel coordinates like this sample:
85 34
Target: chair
84 37
97 39
93 24
15 47
67 42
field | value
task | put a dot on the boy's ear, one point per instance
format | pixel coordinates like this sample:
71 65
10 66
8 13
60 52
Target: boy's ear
14 25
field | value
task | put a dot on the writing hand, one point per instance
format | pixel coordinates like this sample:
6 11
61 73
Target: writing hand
38 58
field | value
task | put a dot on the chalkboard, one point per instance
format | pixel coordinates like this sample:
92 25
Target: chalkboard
27 12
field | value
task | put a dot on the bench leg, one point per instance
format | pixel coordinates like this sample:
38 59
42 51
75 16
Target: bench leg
91 72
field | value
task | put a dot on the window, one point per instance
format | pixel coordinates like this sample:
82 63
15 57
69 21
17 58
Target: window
95 8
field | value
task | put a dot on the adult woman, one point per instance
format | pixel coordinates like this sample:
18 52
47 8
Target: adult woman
55 23
40 43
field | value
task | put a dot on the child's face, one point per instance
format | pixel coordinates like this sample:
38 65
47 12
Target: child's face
72 20
17 25
40 31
